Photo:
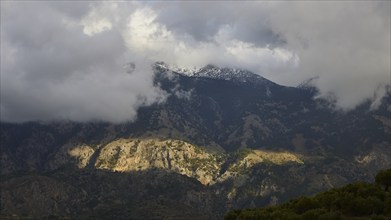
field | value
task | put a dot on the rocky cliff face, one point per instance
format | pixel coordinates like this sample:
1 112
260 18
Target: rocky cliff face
125 155
140 154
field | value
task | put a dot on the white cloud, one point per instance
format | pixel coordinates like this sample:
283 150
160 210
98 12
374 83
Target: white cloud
152 39
143 34
346 44
59 72
96 26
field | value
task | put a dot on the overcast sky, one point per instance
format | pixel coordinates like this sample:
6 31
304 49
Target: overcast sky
67 60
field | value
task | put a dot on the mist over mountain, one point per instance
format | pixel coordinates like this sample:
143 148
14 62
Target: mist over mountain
69 65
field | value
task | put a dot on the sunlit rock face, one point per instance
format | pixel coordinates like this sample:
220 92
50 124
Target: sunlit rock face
127 155
142 154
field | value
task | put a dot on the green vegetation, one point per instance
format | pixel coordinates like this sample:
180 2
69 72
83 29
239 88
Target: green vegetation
383 178
354 201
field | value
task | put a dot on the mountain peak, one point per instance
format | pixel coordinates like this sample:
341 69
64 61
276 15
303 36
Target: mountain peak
214 72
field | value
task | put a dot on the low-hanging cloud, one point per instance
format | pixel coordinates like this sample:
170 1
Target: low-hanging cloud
346 44
56 66
64 60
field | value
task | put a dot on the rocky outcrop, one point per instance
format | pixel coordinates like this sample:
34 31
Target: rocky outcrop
125 155
140 154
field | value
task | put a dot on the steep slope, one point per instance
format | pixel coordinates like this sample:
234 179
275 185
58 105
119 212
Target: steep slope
254 112
70 193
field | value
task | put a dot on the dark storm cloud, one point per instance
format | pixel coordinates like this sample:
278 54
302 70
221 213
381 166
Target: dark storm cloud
76 9
64 60
203 20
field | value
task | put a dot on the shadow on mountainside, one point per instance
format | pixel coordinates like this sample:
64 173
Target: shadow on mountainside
96 194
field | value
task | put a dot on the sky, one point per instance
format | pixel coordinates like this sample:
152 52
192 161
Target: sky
68 60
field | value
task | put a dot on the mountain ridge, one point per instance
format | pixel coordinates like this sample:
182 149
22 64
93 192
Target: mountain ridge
214 72
226 144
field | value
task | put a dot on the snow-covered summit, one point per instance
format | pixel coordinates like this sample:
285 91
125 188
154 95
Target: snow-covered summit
214 72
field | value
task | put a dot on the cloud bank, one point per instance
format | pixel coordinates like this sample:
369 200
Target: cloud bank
68 60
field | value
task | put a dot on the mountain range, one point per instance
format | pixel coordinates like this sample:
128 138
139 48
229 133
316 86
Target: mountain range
224 139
